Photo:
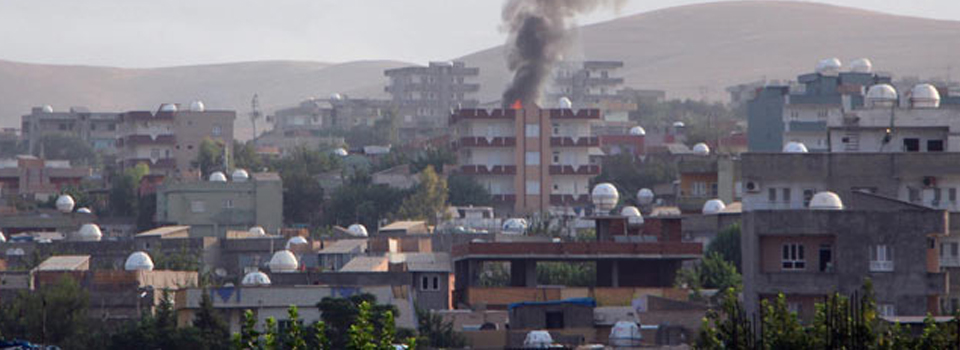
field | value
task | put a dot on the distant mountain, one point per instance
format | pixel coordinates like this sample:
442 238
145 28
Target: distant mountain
223 86
691 51
697 51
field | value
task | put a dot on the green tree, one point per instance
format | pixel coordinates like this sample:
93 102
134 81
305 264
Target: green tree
271 338
428 199
210 157
320 340
248 338
125 191
433 157
630 175
781 328
361 331
727 244
245 156
713 273
576 274
294 337
465 190
214 332
53 314
437 333
67 147
339 314
360 201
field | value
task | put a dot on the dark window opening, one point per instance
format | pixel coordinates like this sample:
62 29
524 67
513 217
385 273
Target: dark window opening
554 320
911 145
935 146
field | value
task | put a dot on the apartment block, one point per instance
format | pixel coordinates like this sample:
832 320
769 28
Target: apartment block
29 176
98 129
212 208
808 254
587 82
169 140
424 96
530 159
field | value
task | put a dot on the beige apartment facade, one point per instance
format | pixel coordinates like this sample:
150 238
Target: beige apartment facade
530 159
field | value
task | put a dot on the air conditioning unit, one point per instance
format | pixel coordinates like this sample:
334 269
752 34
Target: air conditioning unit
752 186
929 181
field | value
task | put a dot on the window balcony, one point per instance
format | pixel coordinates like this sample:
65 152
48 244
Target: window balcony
567 141
574 170
480 141
488 169
881 266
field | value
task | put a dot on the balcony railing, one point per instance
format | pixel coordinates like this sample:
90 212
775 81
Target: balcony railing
567 141
571 170
504 198
476 141
881 266
489 169
569 199
134 140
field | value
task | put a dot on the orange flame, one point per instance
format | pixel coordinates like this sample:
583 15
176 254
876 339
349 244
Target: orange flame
516 105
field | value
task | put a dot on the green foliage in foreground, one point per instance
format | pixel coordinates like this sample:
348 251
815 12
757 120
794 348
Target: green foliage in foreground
841 322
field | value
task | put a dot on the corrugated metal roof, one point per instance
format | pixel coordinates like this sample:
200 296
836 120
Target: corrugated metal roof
65 263
344 246
366 264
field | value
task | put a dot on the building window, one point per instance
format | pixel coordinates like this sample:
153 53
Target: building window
807 196
217 130
699 189
911 145
714 189
533 158
881 258
792 257
198 206
556 157
914 194
430 283
772 194
937 196
952 194
228 204
786 195
533 187
887 310
532 130
556 129
554 320
155 153
935 146
112 127
794 307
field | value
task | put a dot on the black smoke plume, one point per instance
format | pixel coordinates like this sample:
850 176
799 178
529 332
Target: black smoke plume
539 34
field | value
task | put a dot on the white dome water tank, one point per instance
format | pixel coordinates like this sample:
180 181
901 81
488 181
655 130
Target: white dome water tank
565 103
283 261
633 215
701 149
296 240
538 340
713 206
645 196
625 334
637 131
605 197
678 125
197 106
924 96
168 107
861 65
65 203
254 279
138 261
826 200
358 230
257 230
89 233
341 152
794 147
218 176
84 210
3 238
240 175
46 109
830 66
881 95
515 226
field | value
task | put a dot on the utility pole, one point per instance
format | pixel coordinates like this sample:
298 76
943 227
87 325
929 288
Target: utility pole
255 113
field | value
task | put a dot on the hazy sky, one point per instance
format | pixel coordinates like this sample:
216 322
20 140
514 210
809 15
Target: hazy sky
151 33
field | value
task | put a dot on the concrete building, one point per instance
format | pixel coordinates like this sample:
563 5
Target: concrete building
706 177
98 129
798 113
530 159
32 177
586 83
212 208
169 140
424 96
808 254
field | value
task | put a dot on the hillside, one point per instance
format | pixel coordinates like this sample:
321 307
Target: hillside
697 51
227 86
693 51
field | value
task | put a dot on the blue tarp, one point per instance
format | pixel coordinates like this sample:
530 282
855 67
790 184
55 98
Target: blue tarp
579 301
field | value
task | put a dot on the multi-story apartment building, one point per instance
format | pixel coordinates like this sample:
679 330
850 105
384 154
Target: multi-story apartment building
169 140
788 182
798 113
835 245
213 207
29 176
530 159
706 177
424 96
587 83
96 128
